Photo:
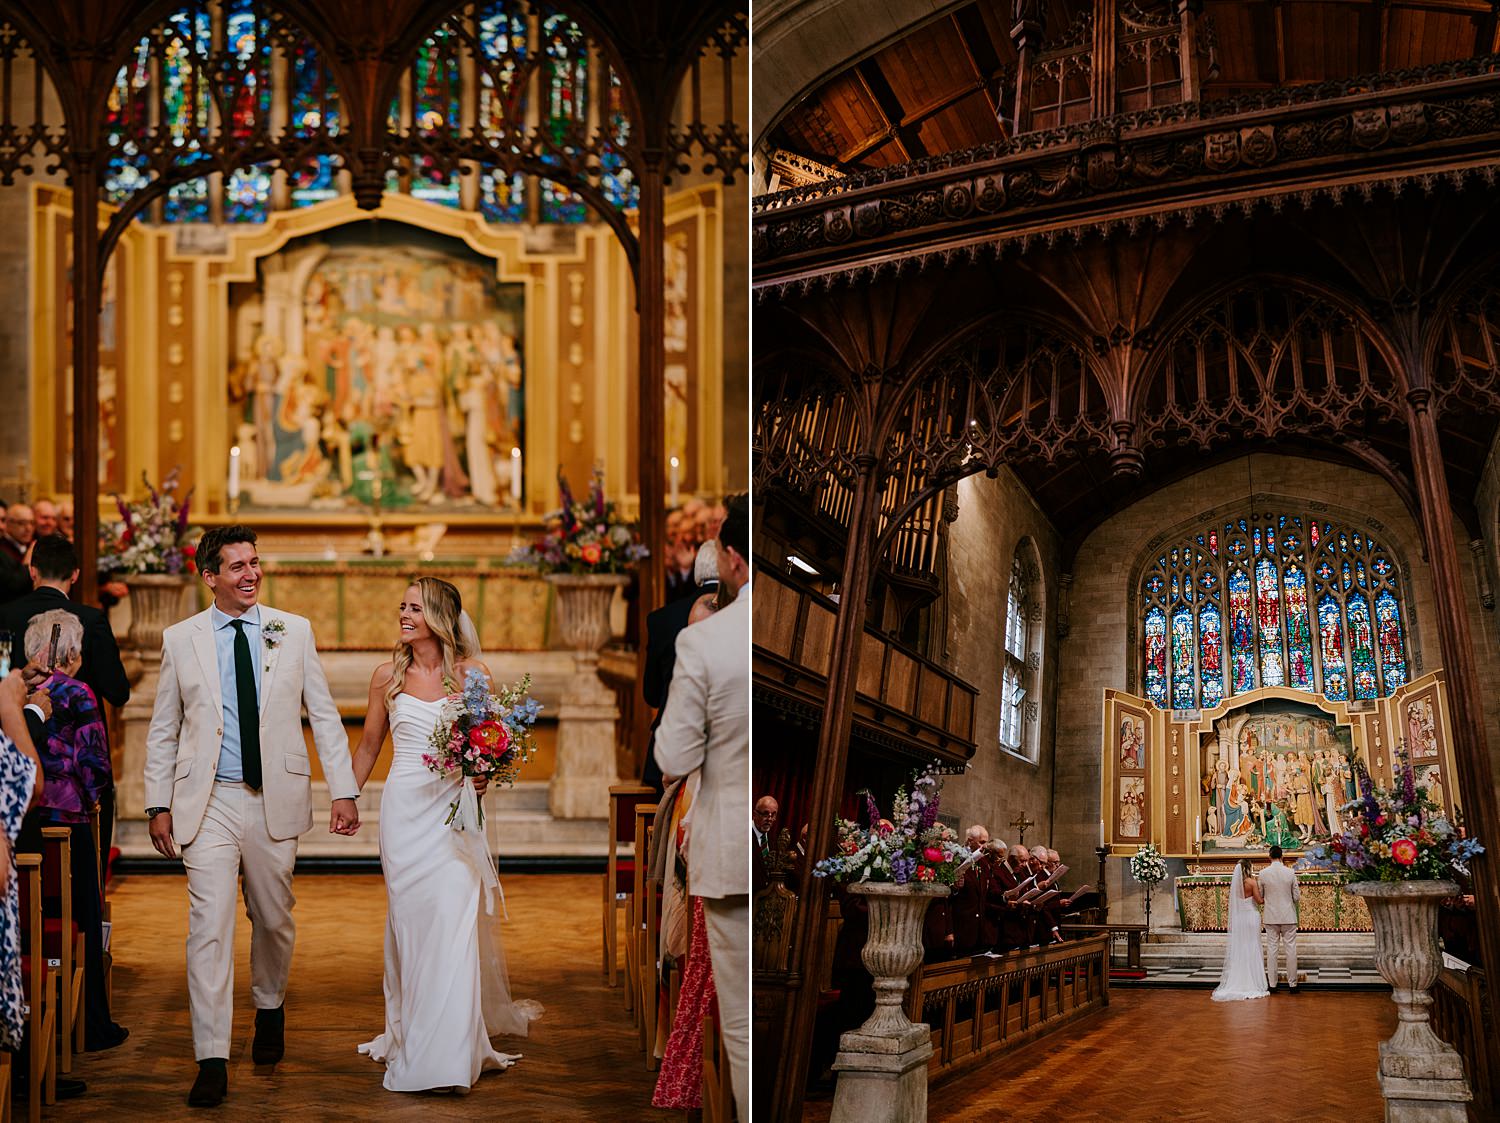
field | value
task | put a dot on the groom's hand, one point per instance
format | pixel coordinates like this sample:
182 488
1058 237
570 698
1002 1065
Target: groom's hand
161 834
344 817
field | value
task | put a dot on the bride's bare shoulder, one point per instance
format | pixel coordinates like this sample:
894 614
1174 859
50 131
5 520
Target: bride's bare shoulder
466 665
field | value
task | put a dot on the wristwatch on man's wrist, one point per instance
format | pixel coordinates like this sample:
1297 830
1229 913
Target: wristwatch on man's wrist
153 812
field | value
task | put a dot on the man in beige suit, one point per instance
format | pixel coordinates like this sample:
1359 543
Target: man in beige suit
228 781
1279 916
706 725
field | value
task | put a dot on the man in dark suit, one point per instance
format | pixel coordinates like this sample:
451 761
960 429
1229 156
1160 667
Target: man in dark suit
54 569
762 823
662 629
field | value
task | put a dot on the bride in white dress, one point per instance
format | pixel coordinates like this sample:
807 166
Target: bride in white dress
1244 974
446 987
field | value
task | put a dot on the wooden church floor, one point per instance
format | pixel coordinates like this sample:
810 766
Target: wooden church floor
1176 1056
581 1061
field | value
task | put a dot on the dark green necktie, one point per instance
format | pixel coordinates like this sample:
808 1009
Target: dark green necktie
248 706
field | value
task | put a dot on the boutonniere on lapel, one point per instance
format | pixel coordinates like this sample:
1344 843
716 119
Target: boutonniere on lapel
273 633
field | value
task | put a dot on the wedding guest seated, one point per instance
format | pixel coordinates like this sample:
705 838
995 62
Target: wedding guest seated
45 514
75 759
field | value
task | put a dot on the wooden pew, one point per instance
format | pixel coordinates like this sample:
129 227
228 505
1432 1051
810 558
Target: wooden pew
619 871
979 1006
41 1023
64 940
636 909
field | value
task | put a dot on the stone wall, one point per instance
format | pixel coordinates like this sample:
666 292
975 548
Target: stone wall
994 516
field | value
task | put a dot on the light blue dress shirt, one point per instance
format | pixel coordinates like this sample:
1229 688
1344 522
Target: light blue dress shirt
229 749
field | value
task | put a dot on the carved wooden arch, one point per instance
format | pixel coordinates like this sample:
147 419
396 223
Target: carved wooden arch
1400 546
1465 322
1292 391
975 404
809 427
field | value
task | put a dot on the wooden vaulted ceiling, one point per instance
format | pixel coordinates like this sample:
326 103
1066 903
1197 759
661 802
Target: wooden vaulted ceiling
948 84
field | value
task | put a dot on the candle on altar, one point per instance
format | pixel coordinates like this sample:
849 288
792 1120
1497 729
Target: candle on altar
675 465
515 474
1197 832
234 473
1101 832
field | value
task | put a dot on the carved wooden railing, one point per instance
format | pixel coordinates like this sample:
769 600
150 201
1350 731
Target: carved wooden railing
902 699
976 1007
1458 1017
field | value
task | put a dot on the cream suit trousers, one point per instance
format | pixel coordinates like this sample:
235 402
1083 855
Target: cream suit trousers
1281 935
233 838
728 922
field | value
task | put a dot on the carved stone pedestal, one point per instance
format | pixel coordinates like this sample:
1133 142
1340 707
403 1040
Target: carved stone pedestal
1421 1076
882 1065
586 719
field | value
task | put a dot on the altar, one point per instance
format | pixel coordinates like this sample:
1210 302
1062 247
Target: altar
1326 904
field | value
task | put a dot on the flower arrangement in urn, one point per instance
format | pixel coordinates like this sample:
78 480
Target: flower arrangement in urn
1148 866
152 536
1399 835
910 846
584 537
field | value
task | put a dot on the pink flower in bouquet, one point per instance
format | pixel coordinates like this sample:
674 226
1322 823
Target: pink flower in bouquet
1404 851
885 827
591 553
489 736
933 855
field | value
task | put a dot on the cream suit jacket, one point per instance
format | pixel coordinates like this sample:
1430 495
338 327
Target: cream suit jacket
187 727
1279 884
706 724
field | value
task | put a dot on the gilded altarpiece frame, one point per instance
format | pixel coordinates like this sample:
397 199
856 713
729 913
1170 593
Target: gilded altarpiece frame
1178 794
174 352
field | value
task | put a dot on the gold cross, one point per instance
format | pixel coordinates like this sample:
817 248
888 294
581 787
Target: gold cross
22 481
1021 823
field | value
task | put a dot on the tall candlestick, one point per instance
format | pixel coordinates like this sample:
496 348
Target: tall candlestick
234 473
515 475
675 464
1197 832
1101 832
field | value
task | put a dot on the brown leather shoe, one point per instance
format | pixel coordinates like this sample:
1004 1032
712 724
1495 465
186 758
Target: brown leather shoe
270 1036
212 1084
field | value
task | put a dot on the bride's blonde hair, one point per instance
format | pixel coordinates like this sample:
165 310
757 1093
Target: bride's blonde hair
441 608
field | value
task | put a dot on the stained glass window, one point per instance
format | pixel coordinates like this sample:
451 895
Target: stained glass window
1014 680
560 204
502 198
188 202
1197 651
435 96
314 105
1156 656
247 195
566 78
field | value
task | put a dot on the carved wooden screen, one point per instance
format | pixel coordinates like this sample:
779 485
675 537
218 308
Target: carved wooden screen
1061 84
1148 63
1280 598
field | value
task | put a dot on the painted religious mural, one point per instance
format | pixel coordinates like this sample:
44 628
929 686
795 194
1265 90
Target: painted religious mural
1274 774
390 359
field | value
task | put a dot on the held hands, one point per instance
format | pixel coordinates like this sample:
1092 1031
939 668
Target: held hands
343 818
42 700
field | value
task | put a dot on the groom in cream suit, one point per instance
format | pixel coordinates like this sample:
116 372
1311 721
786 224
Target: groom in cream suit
706 725
1279 916
228 781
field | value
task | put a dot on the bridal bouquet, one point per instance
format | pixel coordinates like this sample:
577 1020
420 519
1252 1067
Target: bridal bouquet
1400 835
1148 866
909 846
480 733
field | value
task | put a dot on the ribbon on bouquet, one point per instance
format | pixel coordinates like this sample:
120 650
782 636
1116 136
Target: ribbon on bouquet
468 821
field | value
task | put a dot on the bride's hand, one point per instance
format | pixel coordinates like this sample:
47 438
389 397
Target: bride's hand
480 784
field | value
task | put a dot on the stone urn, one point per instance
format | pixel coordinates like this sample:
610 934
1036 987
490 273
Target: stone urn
1421 1076
156 601
882 1065
586 719
583 601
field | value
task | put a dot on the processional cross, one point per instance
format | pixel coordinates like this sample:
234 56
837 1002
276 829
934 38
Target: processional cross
22 482
1021 823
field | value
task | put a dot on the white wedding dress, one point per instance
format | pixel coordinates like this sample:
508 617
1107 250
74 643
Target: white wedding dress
446 988
1244 974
